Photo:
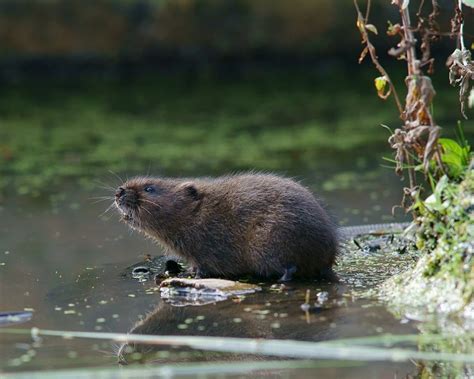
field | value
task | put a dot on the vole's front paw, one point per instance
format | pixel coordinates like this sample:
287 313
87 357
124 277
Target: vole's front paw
200 273
288 274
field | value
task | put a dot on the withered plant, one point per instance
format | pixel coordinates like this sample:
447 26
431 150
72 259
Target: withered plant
416 142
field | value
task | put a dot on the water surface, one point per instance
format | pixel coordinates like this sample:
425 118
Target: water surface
64 261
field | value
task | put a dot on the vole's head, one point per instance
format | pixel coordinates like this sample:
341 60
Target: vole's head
149 203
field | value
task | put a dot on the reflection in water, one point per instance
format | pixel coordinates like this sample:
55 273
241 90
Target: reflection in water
275 313
237 318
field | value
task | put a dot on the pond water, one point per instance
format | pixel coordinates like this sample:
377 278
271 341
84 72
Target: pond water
64 261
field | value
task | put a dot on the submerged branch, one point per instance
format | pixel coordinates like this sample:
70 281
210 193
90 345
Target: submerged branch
342 350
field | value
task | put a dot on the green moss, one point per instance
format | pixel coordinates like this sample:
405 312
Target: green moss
446 230
443 279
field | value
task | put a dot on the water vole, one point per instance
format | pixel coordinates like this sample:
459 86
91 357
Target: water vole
257 224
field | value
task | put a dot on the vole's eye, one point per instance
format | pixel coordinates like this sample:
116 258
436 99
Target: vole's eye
150 189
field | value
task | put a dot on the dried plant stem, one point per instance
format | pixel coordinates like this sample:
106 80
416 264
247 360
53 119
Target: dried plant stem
413 63
461 29
417 139
413 69
411 171
367 11
361 20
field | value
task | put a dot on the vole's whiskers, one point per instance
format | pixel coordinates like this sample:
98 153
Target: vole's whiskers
145 210
149 167
107 210
104 186
99 199
117 176
108 353
151 202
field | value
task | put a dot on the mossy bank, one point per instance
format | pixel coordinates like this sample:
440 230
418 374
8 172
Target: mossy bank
442 282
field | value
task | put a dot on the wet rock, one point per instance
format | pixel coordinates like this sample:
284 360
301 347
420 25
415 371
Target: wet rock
140 272
12 318
180 291
349 232
153 267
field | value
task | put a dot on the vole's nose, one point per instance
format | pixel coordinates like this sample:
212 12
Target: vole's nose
119 193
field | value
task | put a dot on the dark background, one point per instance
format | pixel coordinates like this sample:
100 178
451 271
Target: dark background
63 37
188 87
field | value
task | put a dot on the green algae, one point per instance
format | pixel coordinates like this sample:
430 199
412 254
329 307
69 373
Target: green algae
54 132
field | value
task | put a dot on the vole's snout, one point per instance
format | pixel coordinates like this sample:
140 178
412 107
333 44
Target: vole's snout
126 197
119 192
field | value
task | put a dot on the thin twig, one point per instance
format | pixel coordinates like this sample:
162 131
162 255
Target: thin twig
413 66
367 11
411 171
420 8
374 58
461 28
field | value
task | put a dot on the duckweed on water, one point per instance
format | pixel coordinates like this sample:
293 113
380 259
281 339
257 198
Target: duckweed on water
170 126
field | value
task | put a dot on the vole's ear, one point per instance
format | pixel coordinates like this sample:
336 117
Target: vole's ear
190 189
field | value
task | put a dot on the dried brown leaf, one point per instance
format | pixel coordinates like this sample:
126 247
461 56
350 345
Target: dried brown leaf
371 28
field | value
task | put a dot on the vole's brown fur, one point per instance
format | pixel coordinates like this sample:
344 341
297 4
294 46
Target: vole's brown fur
257 224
